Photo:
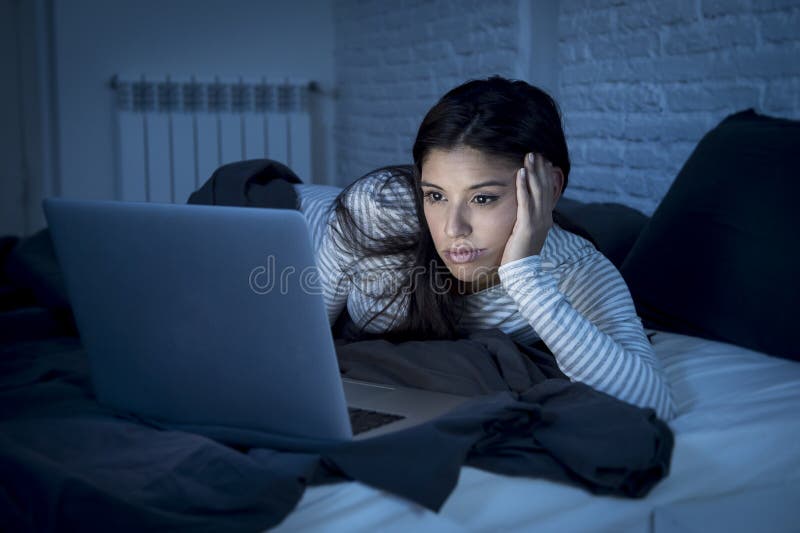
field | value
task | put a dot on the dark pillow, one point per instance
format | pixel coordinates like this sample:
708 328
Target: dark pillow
612 227
719 257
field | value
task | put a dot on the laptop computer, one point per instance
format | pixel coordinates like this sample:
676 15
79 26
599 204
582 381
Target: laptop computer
211 319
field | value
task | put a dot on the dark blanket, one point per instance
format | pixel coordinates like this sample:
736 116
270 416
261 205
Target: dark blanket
67 463
250 183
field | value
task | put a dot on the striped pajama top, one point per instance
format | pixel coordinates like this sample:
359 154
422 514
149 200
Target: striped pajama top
570 295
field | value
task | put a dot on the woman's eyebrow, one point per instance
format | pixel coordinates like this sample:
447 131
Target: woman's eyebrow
476 186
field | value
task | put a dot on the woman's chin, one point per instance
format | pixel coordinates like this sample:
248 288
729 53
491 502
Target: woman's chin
474 275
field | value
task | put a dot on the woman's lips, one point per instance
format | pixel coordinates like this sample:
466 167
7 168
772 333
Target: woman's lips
464 256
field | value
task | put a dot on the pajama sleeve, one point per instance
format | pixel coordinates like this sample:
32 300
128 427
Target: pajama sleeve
587 319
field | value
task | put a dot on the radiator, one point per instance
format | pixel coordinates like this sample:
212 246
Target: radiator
171 135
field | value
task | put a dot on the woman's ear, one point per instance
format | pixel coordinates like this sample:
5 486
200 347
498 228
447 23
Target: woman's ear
558 184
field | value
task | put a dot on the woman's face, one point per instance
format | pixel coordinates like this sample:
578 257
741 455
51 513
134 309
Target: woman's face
470 205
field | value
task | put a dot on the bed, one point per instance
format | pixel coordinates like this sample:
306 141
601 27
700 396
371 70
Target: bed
722 327
736 457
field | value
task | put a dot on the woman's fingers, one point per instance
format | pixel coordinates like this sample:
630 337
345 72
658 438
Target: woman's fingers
534 187
543 170
541 181
547 186
523 196
533 210
533 166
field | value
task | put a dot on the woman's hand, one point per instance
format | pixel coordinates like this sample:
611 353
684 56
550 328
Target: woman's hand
536 198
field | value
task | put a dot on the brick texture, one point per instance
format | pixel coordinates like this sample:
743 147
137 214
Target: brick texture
640 81
395 58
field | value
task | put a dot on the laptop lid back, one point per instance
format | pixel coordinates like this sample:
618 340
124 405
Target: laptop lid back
202 314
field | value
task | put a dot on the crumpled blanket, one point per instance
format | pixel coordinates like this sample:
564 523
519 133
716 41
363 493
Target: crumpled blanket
529 419
68 463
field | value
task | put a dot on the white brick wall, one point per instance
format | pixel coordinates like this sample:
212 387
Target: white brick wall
640 81
395 58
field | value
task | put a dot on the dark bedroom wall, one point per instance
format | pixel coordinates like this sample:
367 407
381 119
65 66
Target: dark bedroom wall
95 39
70 49
12 200
394 59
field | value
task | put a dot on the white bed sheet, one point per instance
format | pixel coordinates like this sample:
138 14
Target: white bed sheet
737 431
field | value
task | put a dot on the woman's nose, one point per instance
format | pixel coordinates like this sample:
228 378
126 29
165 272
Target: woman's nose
457 224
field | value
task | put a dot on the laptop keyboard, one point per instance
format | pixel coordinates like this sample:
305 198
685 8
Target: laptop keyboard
362 420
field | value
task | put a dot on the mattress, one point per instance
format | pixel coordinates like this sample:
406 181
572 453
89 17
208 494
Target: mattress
736 463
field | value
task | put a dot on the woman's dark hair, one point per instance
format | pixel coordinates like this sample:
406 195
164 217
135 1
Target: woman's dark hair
502 118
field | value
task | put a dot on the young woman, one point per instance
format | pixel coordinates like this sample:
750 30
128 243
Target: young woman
465 240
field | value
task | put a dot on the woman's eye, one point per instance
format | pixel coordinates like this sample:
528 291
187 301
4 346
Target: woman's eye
433 196
483 199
